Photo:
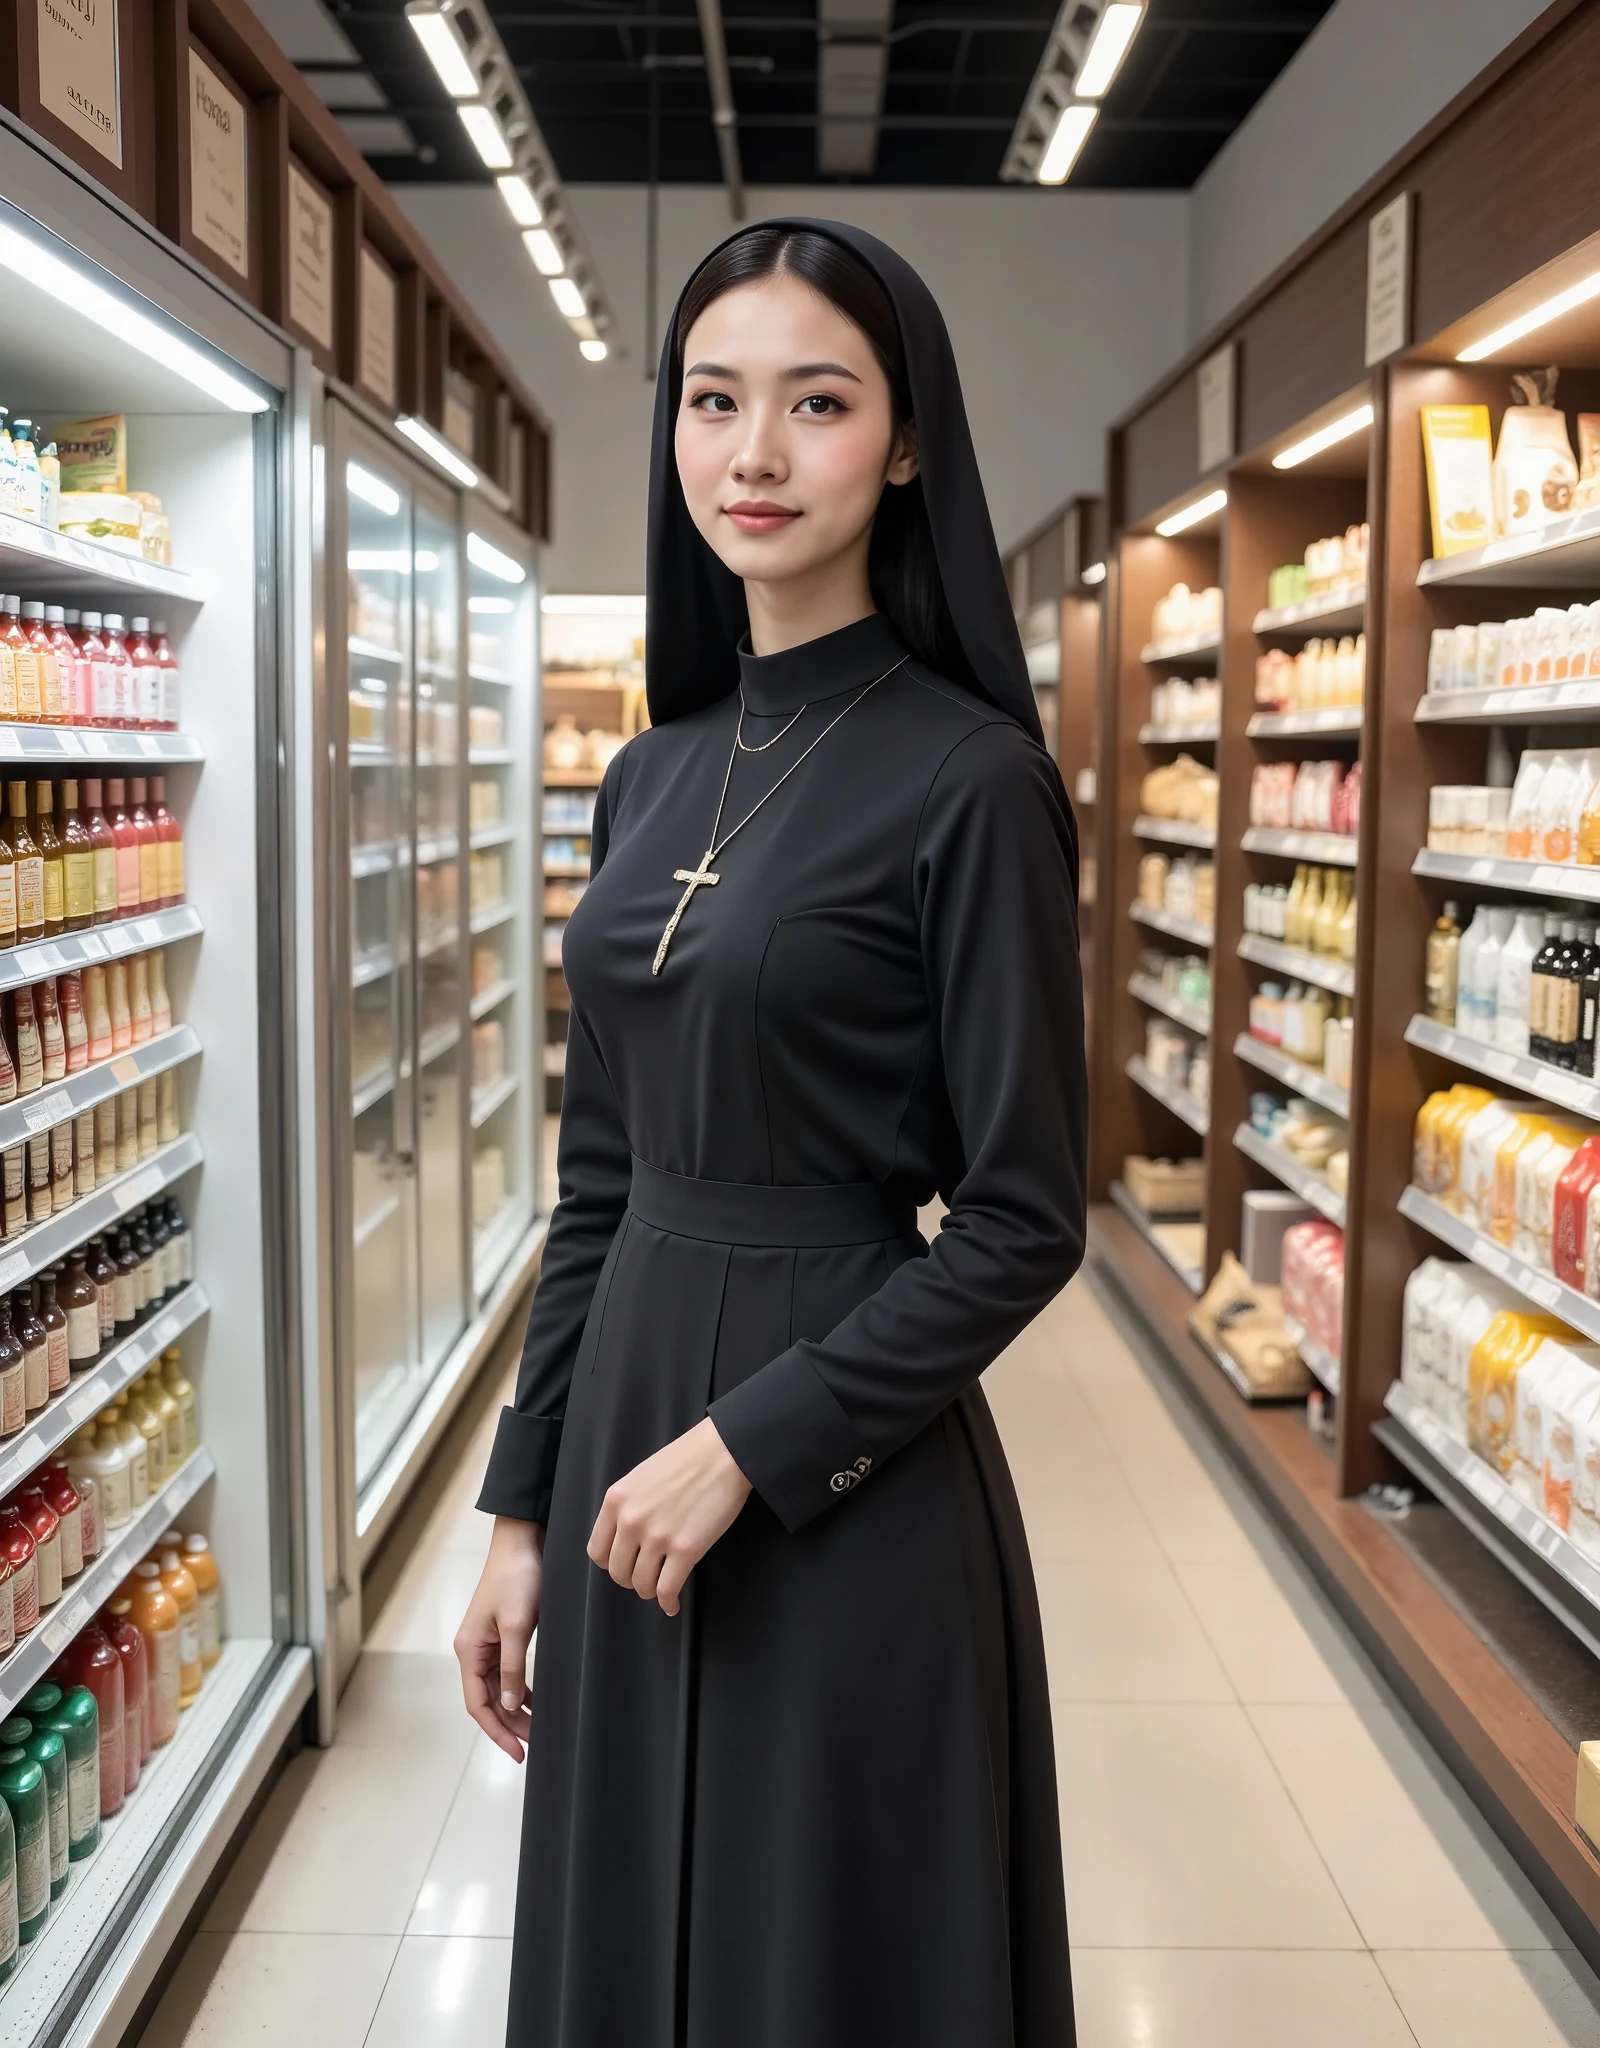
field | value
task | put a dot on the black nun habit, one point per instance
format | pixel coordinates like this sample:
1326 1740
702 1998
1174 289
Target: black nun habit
817 1809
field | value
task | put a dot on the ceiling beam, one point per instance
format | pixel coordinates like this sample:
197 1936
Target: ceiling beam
723 117
852 59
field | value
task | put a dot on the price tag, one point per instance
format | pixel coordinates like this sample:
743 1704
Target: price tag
1492 1256
1502 1064
31 960
69 743
125 1068
1481 871
150 930
149 744
83 1403
92 946
51 1109
96 743
10 742
1576 693
13 1270
164 1333
1563 881
1546 1291
1327 720
1499 700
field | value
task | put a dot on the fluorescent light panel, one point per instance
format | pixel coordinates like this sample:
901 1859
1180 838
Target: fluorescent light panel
593 607
1115 30
488 137
1325 437
520 202
422 436
483 555
445 54
371 490
1061 153
543 247
1576 295
491 607
1095 573
568 297
593 351
1191 515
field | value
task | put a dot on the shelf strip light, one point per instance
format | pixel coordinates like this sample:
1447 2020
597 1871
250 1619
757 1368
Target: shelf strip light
422 436
371 490
1113 32
1576 295
488 137
1062 150
520 202
1191 515
445 54
1324 437
484 556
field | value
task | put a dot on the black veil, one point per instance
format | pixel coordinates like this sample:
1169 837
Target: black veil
696 612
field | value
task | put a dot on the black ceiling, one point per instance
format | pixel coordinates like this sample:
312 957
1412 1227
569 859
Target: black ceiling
957 77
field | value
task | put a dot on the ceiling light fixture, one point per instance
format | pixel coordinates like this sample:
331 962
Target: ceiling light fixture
371 490
565 607
1095 573
445 53
568 297
593 351
545 250
1576 295
491 607
484 555
1061 152
422 436
1115 30
1191 515
1324 437
488 137
520 202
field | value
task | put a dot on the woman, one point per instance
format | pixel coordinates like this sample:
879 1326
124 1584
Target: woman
791 1779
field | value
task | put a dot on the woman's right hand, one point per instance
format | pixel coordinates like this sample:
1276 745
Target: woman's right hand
492 1642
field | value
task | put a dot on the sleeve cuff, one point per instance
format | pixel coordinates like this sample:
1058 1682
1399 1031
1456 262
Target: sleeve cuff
791 1439
522 1467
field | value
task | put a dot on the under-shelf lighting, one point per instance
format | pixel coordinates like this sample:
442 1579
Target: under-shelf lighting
611 607
1325 437
482 555
1061 152
371 490
568 297
545 250
491 607
1114 31
433 30
1095 573
422 436
1191 515
520 202
1575 295
593 351
488 137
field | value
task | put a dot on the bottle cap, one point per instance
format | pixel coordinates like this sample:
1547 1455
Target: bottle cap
114 621
91 622
33 609
55 614
140 625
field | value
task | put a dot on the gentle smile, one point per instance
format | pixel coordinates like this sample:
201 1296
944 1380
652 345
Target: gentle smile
759 515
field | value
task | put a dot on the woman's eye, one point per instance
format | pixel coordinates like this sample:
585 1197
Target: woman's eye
711 401
819 404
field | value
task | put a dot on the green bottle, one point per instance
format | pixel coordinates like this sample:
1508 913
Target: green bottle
10 1933
75 1717
49 1752
22 1789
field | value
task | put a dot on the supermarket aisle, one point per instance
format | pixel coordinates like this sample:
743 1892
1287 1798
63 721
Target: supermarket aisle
1258 1849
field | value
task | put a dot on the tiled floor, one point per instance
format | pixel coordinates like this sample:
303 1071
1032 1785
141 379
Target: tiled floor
1259 1850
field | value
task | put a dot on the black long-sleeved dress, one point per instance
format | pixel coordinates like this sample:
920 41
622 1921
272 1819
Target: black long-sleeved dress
817 1809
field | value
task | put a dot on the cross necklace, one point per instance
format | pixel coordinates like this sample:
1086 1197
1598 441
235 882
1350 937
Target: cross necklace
701 877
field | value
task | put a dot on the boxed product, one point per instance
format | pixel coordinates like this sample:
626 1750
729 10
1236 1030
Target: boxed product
1245 1320
93 453
1165 1187
1313 1279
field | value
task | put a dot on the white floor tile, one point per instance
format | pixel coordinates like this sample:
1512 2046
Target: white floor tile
1531 2000
470 1886
273 1991
1231 1998
448 1993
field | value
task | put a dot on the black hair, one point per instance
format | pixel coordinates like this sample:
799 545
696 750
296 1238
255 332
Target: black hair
902 566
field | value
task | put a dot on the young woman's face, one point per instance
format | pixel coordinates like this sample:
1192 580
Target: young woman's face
786 432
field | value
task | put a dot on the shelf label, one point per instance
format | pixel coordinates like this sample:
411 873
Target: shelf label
139 1189
1547 1292
78 70
377 306
1566 881
218 192
1388 279
69 743
97 743
1576 693
10 742
83 1403
92 947
149 744
165 1332
150 930
125 1068
1481 871
1491 1255
31 960
52 1109
13 1270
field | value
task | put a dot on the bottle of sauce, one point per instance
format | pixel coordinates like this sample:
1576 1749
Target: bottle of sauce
59 1475
127 1264
8 886
10 637
131 1437
160 1002
77 862
121 1010
182 1240
103 1272
29 869
168 1124
97 1453
13 1376
35 1341
75 1719
123 695
30 705
10 1925
117 1620
44 1747
74 1025
62 1191
52 1039
146 677
48 842
65 650
202 1563
8 1072
80 1302
105 1139
22 1789
83 1152
148 1123
102 852
44 1526
127 1129
170 689
49 669
17 1544
149 839
160 1398
55 1483
170 835
179 1582
151 1427
182 1391
97 1016
93 1665
155 1616
94 653
139 1014
29 1045
14 1182
54 1318
126 836
149 1284
40 1204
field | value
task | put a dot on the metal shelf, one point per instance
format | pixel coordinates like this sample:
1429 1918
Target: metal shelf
1322 1365
30 1661
1337 975
370 860
1564 880
495 914
1303 1181
1182 1104
1464 1237
37 962
1326 613
443 846
1149 1228
372 1090
30 1114
371 967
1293 1073
1175 927
42 1244
1183 647
1172 830
99 1384
491 835
370 1225
59 564
371 650
492 997
1529 1076
1172 736
1530 704
1329 849
1286 725
1192 1016
485 1101
1565 554
62 746
490 757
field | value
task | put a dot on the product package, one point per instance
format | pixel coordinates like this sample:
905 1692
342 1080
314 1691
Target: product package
1535 474
1456 446
93 453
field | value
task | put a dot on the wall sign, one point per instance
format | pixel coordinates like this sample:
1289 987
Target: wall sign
218 193
310 257
379 303
460 411
1215 380
1389 279
78 77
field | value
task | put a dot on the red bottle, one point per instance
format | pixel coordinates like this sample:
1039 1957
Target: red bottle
44 1526
57 1486
149 846
120 670
146 677
125 833
65 650
170 833
17 1544
102 851
169 676
93 1662
96 658
82 669
117 1621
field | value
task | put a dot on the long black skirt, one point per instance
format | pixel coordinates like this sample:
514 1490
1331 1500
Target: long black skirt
817 1808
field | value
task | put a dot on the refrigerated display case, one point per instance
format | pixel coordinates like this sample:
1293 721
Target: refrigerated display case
209 399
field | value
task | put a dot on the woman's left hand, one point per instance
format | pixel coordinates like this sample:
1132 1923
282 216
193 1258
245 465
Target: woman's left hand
660 1519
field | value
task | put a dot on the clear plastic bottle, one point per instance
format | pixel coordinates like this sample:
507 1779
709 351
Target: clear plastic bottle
1511 990
171 690
147 676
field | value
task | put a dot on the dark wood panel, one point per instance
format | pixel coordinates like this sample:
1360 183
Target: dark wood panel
1157 456
1302 347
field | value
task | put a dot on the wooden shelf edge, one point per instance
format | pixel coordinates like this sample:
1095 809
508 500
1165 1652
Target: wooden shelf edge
1515 1762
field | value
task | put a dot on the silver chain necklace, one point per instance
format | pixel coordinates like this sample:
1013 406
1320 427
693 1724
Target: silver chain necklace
738 731
702 877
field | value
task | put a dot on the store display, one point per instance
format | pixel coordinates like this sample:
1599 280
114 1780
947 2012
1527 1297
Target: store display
1306 796
1333 565
1185 614
1312 1280
1321 675
1182 707
1242 1321
1315 913
1307 1135
1461 493
1182 887
1181 789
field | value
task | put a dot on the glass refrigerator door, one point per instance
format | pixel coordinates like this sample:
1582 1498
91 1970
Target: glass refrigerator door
506 974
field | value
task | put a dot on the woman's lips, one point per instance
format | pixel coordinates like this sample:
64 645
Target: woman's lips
755 516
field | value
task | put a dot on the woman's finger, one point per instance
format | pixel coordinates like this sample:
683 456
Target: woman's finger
624 1556
674 1576
604 1532
647 1570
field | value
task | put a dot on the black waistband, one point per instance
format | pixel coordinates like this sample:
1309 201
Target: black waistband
737 1212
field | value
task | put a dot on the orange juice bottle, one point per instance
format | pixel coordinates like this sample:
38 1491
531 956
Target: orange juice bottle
156 1617
179 1582
198 1556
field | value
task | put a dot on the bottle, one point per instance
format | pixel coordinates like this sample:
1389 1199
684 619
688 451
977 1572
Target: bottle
10 1925
176 1577
13 1385
44 1526
35 1341
1563 1012
122 689
1293 923
126 836
81 1303
105 1139
198 1556
17 1544
55 1483
160 1002
54 1318
149 845
41 1206
8 886
170 834
29 869
127 1264
1512 992
102 852
12 643
63 1192
153 1429
1325 929
74 1717
22 1789
155 1615
30 496
171 689
182 1391
182 1240
158 1396
8 1072
121 1010
127 1129
168 1125
106 1461
146 677
1498 922
92 1536
139 1003
147 1286
49 487
103 1272
131 1437
83 1152
97 1016
44 1747
45 662
65 649
74 1026
102 674
10 482
161 1237
125 1639
30 703
94 1667
52 1039
82 670
77 863
145 1095
1539 976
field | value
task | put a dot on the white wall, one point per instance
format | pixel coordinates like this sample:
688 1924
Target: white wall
1372 74
1063 307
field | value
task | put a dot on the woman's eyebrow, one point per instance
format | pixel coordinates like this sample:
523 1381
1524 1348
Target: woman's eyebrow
803 371
712 370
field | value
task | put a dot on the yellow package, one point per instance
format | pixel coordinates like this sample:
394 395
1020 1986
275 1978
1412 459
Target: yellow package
94 453
1528 1133
1455 1125
1511 1339
1427 1165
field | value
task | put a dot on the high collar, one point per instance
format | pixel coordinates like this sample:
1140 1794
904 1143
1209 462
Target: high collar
857 654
